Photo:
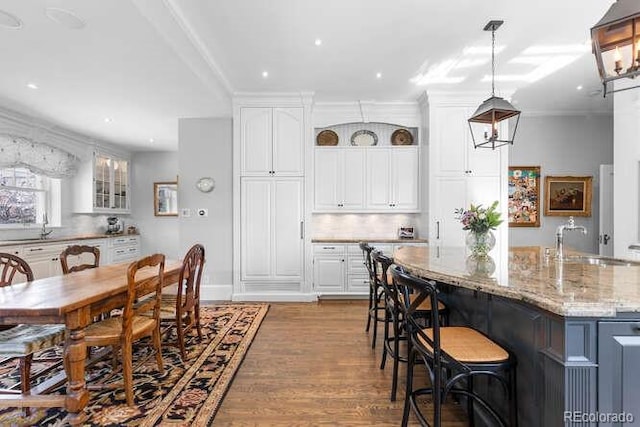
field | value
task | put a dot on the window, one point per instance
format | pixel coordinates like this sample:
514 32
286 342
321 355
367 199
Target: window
26 198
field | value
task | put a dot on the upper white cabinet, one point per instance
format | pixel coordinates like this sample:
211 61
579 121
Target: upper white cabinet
454 153
102 185
271 141
393 179
460 174
339 179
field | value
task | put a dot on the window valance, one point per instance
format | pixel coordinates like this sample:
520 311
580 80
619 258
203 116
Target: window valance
38 157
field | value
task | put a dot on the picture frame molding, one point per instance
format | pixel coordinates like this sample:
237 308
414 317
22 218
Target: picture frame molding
535 223
587 198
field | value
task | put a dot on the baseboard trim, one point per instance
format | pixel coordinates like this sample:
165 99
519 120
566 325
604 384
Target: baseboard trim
275 297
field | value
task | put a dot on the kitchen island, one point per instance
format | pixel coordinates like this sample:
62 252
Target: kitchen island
573 326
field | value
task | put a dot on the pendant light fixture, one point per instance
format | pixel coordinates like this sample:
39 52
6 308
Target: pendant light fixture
616 43
485 126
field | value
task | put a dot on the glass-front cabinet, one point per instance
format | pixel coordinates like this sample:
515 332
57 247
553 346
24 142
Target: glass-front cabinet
103 185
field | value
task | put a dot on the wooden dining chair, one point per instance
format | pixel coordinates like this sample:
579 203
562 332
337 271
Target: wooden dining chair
183 308
120 332
22 341
80 251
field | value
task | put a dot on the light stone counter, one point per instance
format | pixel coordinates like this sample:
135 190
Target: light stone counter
564 288
60 239
364 239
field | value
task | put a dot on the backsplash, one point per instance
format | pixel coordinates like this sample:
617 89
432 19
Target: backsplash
73 225
347 226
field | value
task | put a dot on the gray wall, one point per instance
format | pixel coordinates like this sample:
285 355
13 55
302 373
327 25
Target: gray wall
157 234
565 145
205 149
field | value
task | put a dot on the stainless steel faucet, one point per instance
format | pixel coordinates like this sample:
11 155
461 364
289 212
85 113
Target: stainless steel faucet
44 233
570 225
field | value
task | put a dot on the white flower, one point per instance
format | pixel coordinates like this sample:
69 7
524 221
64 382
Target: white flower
482 216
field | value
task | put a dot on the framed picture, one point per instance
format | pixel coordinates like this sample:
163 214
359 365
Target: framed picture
165 198
524 196
567 195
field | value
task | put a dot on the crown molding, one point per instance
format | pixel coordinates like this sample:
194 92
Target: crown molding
565 113
272 99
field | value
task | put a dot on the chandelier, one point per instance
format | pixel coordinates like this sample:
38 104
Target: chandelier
616 43
485 126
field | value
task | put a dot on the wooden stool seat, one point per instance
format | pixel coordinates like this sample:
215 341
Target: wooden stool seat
106 331
466 345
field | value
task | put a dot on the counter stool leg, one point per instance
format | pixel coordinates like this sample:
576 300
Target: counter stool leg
386 339
369 309
409 388
375 318
470 412
513 398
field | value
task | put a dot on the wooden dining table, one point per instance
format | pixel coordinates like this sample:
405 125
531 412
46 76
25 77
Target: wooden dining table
73 300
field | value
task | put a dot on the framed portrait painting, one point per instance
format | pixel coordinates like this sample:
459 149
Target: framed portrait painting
524 196
567 195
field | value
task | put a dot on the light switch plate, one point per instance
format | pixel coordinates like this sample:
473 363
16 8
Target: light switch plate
202 212
185 212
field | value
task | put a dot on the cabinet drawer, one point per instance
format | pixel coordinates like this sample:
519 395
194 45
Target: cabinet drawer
123 241
42 251
328 249
124 254
358 283
356 266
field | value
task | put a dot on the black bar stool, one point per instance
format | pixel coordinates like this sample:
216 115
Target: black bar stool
463 352
393 299
375 293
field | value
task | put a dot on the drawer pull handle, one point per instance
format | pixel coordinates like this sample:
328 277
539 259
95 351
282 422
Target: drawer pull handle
35 249
635 327
328 247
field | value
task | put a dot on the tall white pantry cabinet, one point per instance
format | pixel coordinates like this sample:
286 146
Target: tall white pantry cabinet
460 174
269 164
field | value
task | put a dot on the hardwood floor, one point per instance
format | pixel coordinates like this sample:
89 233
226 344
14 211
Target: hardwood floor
312 364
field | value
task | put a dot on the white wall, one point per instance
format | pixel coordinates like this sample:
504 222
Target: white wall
205 149
562 145
157 234
626 109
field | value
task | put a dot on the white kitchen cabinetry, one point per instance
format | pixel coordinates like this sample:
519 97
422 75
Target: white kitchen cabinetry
393 179
339 179
123 249
271 141
460 174
338 269
102 185
329 271
44 259
271 232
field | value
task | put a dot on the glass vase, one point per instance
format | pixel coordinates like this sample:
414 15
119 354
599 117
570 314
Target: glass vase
479 244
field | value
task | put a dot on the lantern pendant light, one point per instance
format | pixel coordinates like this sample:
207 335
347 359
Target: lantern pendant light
616 43
486 128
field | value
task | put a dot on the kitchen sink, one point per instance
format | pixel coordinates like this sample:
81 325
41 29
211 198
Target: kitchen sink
600 260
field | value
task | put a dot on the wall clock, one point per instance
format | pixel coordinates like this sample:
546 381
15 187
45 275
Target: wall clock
205 184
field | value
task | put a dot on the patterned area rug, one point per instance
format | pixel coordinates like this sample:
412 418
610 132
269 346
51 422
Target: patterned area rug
187 394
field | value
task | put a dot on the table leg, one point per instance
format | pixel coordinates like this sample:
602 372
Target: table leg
75 354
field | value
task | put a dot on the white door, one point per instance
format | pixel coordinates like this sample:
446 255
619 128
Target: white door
352 178
378 179
404 178
328 273
327 173
288 141
605 245
287 232
256 231
255 140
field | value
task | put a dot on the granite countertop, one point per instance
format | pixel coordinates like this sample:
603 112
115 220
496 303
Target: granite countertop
60 239
365 239
564 288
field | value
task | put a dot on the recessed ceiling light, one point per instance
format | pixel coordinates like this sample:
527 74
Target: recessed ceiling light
265 74
107 119
318 42
579 87
378 75
10 21
65 18
32 86
151 140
